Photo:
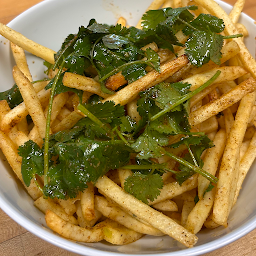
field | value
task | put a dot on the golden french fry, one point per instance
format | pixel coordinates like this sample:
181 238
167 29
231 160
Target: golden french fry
87 202
211 161
187 207
68 205
27 44
225 101
228 73
227 172
173 189
57 105
209 125
44 204
236 11
200 212
83 83
145 212
245 164
71 231
115 213
68 122
167 205
21 61
9 149
31 100
132 90
115 233
82 221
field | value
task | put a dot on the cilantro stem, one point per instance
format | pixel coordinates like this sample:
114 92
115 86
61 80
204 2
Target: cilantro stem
186 97
196 169
88 114
233 36
48 125
144 167
121 136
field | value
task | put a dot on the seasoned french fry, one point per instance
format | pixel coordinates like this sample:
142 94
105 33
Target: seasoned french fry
71 231
44 204
116 233
83 83
87 202
167 205
211 161
115 213
227 170
9 149
225 101
21 61
132 90
27 44
145 212
173 189
245 164
82 221
236 11
31 100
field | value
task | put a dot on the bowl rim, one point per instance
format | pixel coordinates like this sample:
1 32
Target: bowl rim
72 246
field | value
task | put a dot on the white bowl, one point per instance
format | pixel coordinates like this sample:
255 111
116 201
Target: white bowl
48 23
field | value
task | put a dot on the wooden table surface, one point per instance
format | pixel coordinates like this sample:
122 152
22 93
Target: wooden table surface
16 241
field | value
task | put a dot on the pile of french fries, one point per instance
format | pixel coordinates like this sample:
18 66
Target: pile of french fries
225 111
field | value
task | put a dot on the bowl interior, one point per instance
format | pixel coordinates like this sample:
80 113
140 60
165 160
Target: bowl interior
48 23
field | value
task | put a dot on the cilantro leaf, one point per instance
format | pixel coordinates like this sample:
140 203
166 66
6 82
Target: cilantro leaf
204 46
148 144
12 96
83 161
32 161
144 187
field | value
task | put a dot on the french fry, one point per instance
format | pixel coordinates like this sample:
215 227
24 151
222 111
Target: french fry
27 44
145 212
245 164
31 100
115 233
227 172
200 212
225 101
173 189
68 122
211 161
87 202
115 213
83 83
9 149
82 221
167 205
188 206
71 231
132 90
228 73
21 61
236 11
44 204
